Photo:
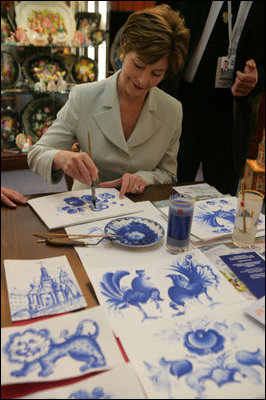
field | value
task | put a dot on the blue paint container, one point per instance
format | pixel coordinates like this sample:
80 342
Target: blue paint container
181 209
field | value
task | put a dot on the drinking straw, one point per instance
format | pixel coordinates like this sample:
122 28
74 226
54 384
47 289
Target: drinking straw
243 206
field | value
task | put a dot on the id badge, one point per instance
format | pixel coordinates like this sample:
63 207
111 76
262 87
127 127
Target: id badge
225 72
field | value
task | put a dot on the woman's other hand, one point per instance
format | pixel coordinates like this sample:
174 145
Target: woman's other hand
77 165
9 196
129 183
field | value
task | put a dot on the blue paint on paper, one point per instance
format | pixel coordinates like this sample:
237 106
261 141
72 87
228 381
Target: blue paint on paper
190 280
120 297
203 342
76 204
38 350
96 393
48 296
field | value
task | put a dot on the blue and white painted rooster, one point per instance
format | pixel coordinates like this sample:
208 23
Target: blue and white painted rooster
141 291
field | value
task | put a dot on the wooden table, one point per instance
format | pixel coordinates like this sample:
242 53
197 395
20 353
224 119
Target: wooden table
18 242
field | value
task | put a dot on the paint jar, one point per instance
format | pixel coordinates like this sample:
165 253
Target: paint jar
248 211
181 208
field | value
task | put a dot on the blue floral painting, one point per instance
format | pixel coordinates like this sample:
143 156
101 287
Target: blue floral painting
215 217
218 355
75 207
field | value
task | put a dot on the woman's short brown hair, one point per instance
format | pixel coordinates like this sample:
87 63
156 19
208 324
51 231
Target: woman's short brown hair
154 33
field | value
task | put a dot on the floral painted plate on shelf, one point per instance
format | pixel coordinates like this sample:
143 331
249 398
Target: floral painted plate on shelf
135 231
87 22
10 70
41 18
84 70
38 116
10 127
43 65
97 37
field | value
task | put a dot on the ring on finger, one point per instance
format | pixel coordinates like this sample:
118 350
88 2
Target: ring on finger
136 188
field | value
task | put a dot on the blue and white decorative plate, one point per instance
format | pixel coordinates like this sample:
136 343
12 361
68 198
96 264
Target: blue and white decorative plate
135 231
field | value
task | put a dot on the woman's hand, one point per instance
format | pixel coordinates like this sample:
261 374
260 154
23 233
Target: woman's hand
7 195
129 183
245 81
78 165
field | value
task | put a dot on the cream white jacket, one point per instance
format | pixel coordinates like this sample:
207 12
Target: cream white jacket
150 152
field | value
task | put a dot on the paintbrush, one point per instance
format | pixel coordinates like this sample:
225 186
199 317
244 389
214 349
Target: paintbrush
70 236
93 184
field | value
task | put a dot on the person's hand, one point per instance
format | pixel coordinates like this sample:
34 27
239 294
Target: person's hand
7 195
129 183
78 165
245 81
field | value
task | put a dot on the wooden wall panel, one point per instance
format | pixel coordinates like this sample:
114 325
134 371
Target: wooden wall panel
131 5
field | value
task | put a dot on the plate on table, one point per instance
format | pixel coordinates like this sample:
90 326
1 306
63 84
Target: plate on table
84 70
45 17
43 64
10 70
38 116
135 231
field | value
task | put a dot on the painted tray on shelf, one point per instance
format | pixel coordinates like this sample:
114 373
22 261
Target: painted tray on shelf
87 22
44 17
10 127
84 70
38 115
44 64
10 70
135 231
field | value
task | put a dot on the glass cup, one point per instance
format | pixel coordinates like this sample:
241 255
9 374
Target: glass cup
181 208
248 211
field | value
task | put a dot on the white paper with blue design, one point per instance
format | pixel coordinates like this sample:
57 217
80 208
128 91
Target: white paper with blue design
216 355
138 295
116 255
41 287
119 383
76 207
215 218
58 348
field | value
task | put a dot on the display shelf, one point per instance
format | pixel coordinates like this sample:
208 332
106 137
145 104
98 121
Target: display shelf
11 161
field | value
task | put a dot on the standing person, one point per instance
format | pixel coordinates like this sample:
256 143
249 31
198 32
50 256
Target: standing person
220 111
134 126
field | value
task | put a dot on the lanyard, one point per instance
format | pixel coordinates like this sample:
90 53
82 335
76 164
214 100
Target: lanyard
234 34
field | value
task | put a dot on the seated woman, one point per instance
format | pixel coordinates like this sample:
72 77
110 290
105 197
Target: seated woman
134 127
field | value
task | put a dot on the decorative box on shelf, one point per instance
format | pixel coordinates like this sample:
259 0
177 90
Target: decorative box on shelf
254 176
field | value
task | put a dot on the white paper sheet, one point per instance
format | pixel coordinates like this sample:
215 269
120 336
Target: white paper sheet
75 207
58 348
119 383
214 355
139 294
41 287
257 310
200 191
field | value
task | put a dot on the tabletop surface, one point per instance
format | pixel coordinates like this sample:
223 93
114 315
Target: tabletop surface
18 243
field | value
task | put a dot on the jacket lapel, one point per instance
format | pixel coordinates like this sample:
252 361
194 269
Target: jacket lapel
109 119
